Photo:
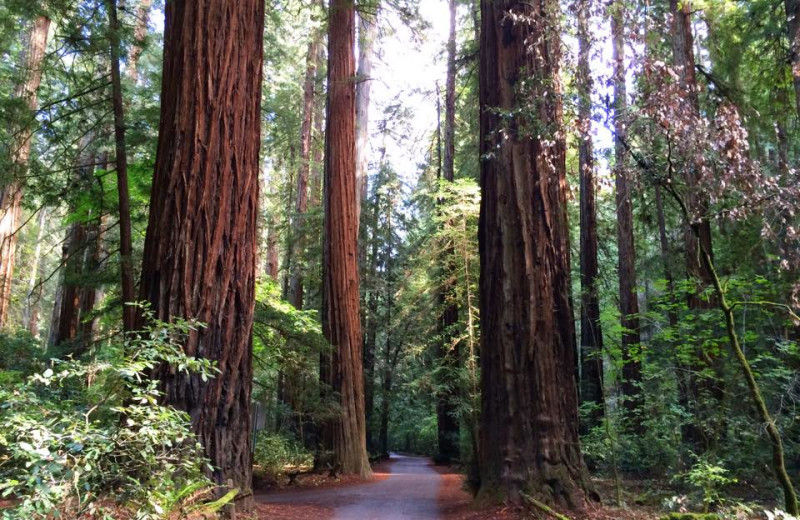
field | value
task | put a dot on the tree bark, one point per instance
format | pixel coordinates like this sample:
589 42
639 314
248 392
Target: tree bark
342 321
591 352
200 247
121 162
449 351
11 193
139 35
301 198
628 299
529 421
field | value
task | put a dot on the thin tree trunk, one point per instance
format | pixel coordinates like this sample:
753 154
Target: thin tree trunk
628 299
315 184
529 421
200 247
342 322
371 332
591 353
31 316
449 351
11 193
125 240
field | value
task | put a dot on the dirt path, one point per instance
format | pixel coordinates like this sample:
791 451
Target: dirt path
410 492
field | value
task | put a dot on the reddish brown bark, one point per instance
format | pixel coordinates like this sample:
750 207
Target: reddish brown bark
341 316
11 193
628 299
529 421
200 247
591 352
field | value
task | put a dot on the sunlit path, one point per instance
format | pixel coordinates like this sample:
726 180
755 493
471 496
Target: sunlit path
410 492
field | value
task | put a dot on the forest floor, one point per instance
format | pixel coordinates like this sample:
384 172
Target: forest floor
402 488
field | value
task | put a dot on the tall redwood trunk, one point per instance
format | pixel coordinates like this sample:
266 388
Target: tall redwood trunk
628 299
200 247
367 31
121 163
74 255
301 197
449 352
11 193
341 316
529 421
792 8
591 352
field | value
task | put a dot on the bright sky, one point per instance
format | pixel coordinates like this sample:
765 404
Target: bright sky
407 72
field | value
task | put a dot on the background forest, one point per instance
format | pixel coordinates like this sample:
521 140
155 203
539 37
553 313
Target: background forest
677 236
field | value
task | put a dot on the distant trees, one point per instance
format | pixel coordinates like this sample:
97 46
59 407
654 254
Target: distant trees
30 76
200 248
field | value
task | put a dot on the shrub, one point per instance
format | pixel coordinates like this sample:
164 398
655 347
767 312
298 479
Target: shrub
274 451
83 437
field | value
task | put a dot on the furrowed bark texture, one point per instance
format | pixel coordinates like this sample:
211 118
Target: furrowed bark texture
11 189
342 321
449 353
591 352
529 421
200 247
626 249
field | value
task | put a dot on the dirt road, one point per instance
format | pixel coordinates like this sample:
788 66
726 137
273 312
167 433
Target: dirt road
410 492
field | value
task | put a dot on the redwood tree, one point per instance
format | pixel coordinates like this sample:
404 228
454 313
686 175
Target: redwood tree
529 421
591 357
200 247
11 193
341 316
626 250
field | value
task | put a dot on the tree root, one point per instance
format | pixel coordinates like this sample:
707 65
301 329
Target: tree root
543 507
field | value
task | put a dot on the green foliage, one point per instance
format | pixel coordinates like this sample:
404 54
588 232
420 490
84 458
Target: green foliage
709 479
274 451
80 434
